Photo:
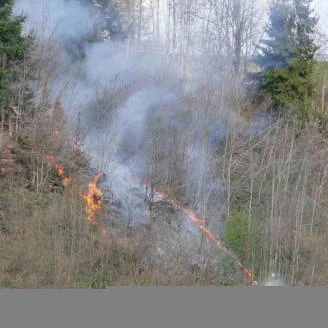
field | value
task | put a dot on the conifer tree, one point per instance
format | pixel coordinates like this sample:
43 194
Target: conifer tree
277 49
11 43
288 55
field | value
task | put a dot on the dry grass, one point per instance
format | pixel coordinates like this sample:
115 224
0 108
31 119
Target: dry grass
46 240
48 243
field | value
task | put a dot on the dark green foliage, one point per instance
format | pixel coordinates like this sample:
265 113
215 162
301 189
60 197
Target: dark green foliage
236 236
243 235
12 43
287 57
291 89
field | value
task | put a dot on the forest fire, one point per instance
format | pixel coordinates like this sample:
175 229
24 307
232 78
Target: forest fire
60 170
65 180
201 225
93 206
93 199
190 214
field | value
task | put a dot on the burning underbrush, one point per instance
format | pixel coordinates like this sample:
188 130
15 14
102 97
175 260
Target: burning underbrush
93 199
174 251
166 234
164 243
55 237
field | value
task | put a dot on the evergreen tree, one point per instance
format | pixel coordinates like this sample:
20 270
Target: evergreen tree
277 49
288 55
305 23
11 43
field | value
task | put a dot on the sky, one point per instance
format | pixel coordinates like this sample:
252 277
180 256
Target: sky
321 7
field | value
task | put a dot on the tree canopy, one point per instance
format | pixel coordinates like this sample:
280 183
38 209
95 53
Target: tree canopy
11 42
276 51
287 55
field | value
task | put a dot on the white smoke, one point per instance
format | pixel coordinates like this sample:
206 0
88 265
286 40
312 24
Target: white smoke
60 19
116 94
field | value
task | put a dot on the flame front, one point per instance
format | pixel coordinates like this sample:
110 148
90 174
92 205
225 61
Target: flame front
60 170
65 180
93 199
94 205
200 222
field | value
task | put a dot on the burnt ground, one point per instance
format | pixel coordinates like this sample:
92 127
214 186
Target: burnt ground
168 241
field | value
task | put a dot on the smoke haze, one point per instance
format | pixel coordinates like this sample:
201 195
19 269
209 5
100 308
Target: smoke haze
127 104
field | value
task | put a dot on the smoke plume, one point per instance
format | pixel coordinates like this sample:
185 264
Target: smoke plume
131 107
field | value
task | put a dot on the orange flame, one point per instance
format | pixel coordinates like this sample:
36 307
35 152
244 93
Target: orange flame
200 222
65 180
93 199
60 170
